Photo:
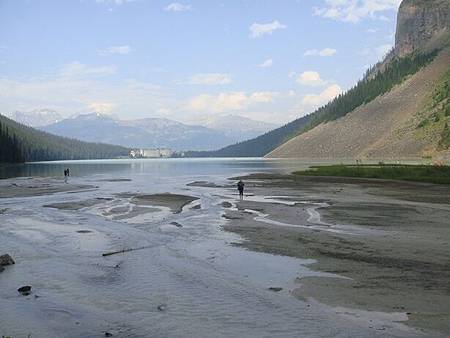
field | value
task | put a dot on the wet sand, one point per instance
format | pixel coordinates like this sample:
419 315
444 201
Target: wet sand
29 186
389 240
382 247
174 202
76 205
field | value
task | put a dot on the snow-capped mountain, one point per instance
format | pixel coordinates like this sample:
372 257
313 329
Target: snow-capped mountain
237 127
213 133
143 133
36 117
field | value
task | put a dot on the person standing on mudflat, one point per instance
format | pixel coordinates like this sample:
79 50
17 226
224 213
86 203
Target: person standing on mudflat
240 187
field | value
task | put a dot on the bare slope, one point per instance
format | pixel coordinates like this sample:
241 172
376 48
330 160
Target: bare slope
383 128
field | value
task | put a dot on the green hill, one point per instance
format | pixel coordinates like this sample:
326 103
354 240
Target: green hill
19 143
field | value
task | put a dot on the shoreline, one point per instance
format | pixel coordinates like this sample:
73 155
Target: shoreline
388 239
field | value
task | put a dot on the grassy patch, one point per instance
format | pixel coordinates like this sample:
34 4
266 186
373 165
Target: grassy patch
444 142
416 173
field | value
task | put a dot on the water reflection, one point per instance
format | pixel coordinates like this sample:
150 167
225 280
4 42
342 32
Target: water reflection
159 167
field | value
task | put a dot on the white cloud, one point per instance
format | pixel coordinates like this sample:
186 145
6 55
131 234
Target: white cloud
323 52
259 29
177 7
266 64
310 78
76 69
356 10
114 2
101 107
115 50
77 87
209 79
228 102
382 50
317 100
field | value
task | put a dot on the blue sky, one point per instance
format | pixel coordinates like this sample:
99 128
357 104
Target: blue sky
271 60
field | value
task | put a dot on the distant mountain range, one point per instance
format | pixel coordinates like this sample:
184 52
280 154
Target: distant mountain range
35 118
215 132
236 127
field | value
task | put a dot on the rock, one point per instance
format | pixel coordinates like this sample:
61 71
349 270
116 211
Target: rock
162 307
24 290
6 260
108 334
2 211
226 204
84 231
275 289
2 268
176 224
196 207
419 23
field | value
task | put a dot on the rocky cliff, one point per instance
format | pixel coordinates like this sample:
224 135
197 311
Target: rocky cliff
422 24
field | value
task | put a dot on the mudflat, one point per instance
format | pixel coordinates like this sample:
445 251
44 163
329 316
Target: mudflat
175 202
32 186
387 241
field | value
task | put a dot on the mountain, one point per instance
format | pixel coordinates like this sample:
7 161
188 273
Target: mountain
35 118
20 143
238 128
408 121
143 133
399 108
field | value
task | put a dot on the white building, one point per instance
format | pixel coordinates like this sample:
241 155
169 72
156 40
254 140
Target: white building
151 153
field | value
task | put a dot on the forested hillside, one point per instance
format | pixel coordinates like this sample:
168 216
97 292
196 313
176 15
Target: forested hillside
20 143
363 92
408 122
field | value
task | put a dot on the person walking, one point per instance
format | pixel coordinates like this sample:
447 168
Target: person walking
240 187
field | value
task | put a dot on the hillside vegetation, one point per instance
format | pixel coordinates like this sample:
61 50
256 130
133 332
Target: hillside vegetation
416 173
362 93
389 127
435 118
20 143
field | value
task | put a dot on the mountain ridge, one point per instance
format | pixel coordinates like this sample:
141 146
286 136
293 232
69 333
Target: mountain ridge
385 128
149 132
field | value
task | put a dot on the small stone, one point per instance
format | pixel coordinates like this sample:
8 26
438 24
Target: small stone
108 334
178 225
275 289
6 260
25 290
162 307
226 204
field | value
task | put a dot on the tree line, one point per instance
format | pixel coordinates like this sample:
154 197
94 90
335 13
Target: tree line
373 84
19 143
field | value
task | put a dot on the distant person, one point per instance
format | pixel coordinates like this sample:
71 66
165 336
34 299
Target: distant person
68 172
65 175
240 187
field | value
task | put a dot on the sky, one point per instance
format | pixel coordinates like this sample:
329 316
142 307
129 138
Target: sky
268 60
